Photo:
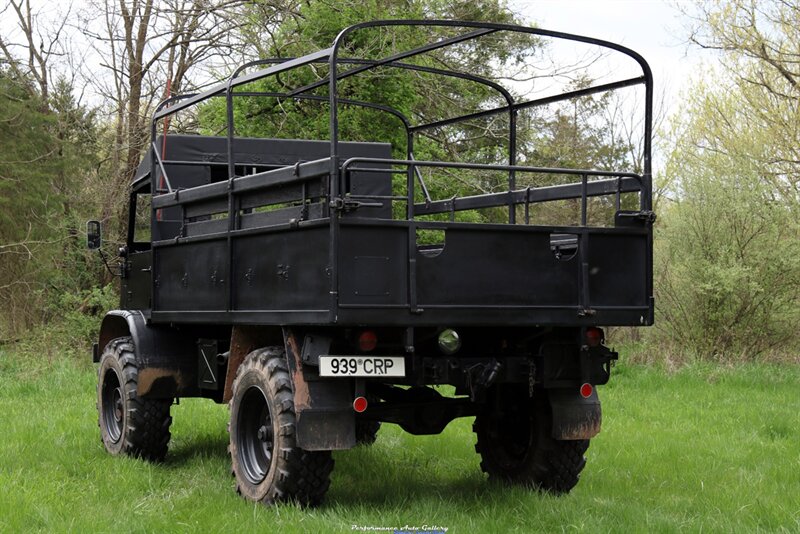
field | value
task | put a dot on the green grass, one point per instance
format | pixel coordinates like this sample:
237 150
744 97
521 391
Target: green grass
704 449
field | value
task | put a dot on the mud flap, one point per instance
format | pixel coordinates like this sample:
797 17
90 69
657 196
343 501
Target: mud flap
574 417
324 410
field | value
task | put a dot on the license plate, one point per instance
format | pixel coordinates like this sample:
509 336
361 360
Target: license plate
362 366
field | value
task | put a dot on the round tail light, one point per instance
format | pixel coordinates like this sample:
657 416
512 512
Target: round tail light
594 336
367 341
360 404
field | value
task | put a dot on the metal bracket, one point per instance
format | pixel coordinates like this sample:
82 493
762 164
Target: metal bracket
348 204
646 216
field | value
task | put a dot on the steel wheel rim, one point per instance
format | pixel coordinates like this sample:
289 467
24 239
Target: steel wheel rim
255 435
113 406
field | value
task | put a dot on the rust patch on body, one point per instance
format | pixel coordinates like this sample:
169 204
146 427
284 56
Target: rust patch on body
159 381
244 340
239 349
302 396
585 428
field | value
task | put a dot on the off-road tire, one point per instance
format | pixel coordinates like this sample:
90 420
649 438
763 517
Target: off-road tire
266 462
129 424
516 447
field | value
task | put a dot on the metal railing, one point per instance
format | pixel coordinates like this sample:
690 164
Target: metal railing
240 193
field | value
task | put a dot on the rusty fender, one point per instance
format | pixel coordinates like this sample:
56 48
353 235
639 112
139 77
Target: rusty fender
324 407
165 358
573 416
244 340
161 382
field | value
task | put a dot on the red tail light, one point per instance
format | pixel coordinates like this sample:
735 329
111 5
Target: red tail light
587 390
594 336
367 341
360 404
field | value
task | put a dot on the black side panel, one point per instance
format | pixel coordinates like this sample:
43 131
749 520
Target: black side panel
617 273
168 220
193 160
136 286
374 265
191 276
282 271
466 272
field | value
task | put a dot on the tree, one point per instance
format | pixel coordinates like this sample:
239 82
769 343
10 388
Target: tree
420 96
47 140
26 161
728 248
42 42
423 97
758 42
149 48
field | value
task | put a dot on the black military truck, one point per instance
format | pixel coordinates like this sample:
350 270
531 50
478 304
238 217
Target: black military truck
323 287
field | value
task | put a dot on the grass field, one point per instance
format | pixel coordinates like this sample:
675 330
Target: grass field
705 449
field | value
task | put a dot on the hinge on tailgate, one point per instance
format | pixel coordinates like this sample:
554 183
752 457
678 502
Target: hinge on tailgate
348 204
646 216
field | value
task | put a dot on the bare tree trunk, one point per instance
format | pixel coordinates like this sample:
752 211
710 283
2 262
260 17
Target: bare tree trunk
147 45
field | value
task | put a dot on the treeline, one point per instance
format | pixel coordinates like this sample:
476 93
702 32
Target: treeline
728 240
66 158
727 263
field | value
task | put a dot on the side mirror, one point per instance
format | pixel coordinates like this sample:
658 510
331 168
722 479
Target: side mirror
93 235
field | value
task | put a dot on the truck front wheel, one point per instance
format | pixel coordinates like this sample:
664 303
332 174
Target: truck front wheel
128 423
516 446
267 464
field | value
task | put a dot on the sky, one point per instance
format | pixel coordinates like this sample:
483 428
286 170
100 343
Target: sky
653 28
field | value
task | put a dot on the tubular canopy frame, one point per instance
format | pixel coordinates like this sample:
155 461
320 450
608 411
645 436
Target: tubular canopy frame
478 29
335 203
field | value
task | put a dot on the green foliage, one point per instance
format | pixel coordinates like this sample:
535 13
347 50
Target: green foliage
45 160
25 147
728 249
577 135
411 93
83 311
416 95
26 164
728 254
759 44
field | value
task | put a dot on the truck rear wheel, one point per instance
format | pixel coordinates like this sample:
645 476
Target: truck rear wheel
516 447
267 464
129 424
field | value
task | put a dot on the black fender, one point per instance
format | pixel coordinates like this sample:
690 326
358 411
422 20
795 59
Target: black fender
166 358
574 417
